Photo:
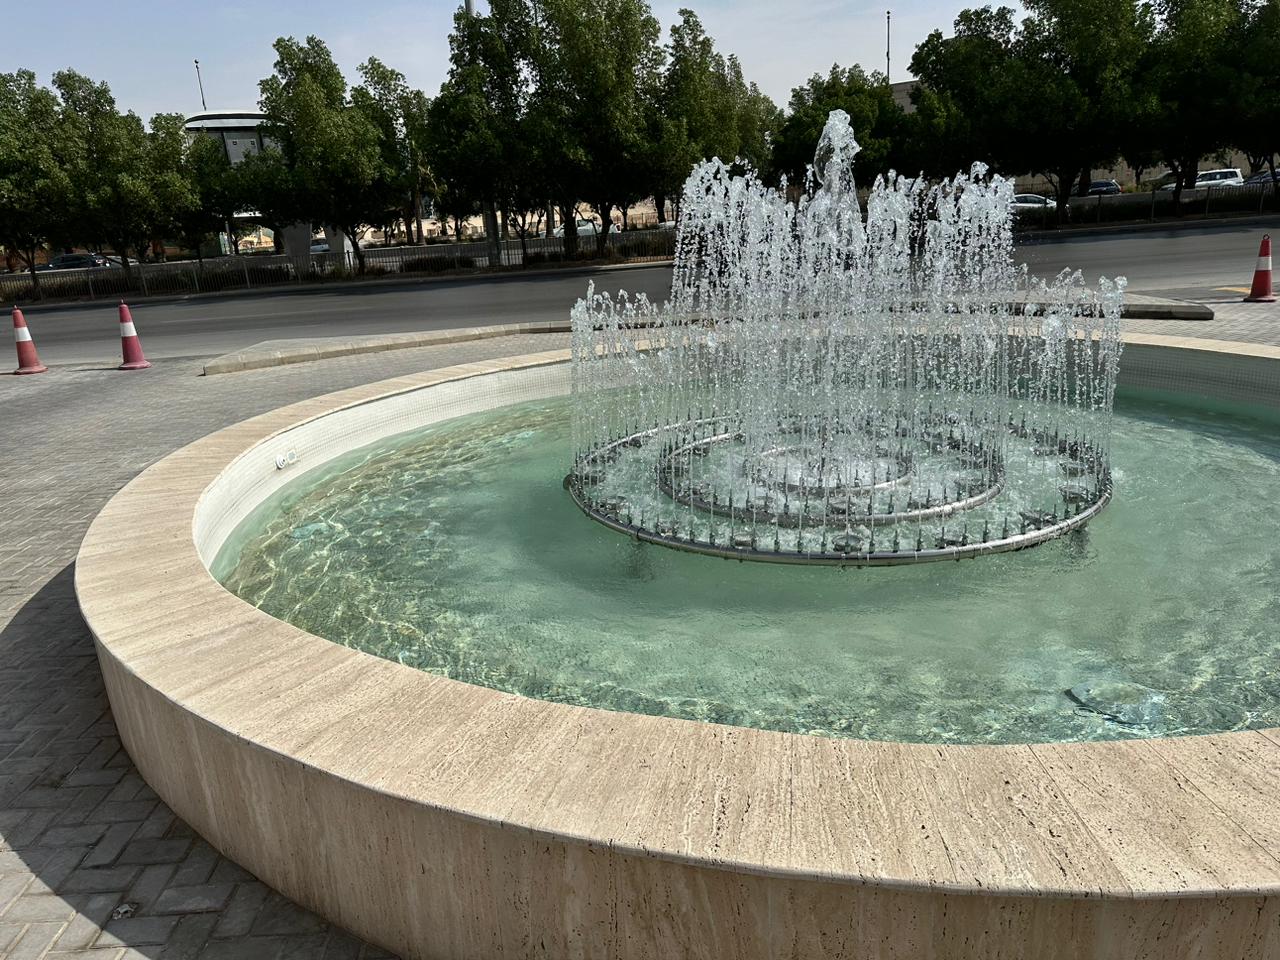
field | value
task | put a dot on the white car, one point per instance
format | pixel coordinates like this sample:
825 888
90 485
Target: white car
1033 203
588 228
1227 177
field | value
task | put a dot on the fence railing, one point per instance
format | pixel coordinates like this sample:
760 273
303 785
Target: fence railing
1155 205
184 277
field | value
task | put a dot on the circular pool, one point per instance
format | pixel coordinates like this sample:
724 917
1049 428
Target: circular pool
454 549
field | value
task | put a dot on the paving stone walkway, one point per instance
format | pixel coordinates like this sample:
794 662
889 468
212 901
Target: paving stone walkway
1232 320
92 863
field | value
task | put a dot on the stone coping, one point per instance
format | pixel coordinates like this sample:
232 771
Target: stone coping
1168 818
275 353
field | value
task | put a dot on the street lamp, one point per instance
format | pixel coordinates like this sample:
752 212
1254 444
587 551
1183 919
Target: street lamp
199 80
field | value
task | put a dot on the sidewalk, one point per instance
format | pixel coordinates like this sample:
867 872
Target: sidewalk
92 864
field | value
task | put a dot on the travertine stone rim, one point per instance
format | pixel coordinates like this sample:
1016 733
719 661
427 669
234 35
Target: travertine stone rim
1176 817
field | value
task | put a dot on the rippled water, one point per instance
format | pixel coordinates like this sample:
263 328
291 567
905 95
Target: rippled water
457 551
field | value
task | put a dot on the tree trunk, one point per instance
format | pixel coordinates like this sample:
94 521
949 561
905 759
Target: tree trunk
569 219
1275 183
1190 170
417 211
1066 179
123 250
35 277
1086 179
606 222
355 248
660 201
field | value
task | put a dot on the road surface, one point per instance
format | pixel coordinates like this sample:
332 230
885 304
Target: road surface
1189 263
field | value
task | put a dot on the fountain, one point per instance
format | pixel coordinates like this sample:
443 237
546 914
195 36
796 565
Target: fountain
826 389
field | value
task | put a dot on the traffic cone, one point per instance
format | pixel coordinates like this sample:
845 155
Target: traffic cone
28 362
1261 292
129 342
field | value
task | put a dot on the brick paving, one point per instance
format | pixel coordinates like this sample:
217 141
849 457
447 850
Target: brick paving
92 863
1232 320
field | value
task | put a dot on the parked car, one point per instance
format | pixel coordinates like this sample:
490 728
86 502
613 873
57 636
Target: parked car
320 247
1262 176
1033 203
118 261
585 228
1104 188
1227 177
80 261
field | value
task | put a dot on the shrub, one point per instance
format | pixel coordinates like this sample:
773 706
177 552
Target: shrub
437 264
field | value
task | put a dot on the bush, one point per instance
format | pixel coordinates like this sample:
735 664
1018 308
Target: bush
539 258
439 264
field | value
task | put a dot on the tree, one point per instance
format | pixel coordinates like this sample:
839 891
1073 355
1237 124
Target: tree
477 129
1194 78
878 123
1055 95
1257 128
128 186
220 195
597 64
36 193
704 108
332 150
400 114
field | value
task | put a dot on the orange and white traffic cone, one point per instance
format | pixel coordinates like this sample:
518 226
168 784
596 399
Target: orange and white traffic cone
1261 291
28 362
129 342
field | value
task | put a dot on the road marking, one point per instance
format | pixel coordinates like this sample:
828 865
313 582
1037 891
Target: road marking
1233 289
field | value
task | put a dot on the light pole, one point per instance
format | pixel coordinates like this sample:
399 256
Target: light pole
888 19
200 81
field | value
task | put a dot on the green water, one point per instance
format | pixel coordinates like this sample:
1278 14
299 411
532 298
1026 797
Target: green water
456 550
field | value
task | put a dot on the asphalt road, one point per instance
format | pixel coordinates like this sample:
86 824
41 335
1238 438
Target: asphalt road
1185 264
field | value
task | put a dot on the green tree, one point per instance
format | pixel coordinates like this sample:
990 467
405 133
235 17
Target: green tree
1055 95
36 195
332 149
1257 128
220 195
878 123
1193 67
129 188
478 129
704 108
399 113
597 66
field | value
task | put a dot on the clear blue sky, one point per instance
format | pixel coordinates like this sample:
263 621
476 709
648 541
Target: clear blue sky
144 49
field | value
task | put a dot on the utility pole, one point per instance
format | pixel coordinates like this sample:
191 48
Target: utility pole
199 80
888 19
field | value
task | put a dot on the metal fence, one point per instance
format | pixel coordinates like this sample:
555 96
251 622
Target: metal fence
1156 205
249 272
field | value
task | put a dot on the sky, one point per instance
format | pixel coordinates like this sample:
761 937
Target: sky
144 49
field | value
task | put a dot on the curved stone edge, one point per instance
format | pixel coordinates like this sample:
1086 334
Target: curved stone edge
326 770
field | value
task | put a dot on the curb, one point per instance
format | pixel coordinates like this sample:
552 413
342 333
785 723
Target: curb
374 283
279 353
1173 310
